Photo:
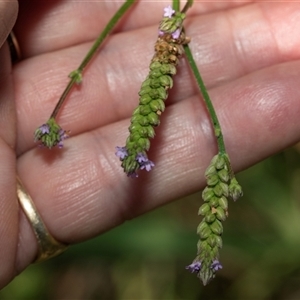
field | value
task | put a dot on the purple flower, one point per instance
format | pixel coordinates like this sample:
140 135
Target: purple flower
121 152
144 162
176 33
216 265
148 165
169 11
62 136
194 267
141 158
45 129
161 33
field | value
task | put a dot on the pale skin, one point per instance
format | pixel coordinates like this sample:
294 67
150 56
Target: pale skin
247 53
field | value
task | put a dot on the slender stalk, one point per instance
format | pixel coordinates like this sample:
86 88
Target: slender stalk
77 74
176 5
188 4
63 97
209 105
110 25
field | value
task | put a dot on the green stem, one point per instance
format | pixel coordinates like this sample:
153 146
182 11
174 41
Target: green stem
209 105
77 74
187 6
63 97
176 5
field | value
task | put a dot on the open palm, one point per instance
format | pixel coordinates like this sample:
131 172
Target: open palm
248 54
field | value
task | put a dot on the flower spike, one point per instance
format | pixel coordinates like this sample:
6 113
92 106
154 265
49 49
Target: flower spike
219 180
153 93
50 134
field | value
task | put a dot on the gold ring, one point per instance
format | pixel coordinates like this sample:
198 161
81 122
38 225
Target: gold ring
48 246
14 48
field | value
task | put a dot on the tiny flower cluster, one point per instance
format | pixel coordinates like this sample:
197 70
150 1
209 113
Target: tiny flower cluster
171 23
50 134
141 160
221 184
153 93
195 267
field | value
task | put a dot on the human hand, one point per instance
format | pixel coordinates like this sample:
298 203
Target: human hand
247 55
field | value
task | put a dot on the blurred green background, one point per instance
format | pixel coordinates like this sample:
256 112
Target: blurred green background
145 258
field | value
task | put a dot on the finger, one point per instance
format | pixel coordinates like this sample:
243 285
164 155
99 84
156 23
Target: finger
82 190
8 201
8 15
110 85
52 25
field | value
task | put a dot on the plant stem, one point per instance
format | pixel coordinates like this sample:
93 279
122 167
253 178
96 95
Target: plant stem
209 105
63 97
176 5
187 6
77 74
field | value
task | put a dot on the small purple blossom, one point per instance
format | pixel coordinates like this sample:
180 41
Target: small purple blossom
62 136
144 162
169 11
121 152
216 265
161 33
45 129
50 134
194 267
148 165
176 33
141 158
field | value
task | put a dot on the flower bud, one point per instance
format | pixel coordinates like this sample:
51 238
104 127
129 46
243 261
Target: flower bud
212 241
225 188
216 227
223 202
212 179
145 109
207 194
153 119
144 143
211 170
224 175
218 190
142 120
155 73
209 218
203 230
151 132
134 127
145 90
214 201
155 83
235 189
166 81
219 242
204 234
168 69
158 93
204 209
157 105
145 99
220 162
155 65
220 214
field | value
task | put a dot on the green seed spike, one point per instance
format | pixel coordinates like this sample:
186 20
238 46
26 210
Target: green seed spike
153 93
